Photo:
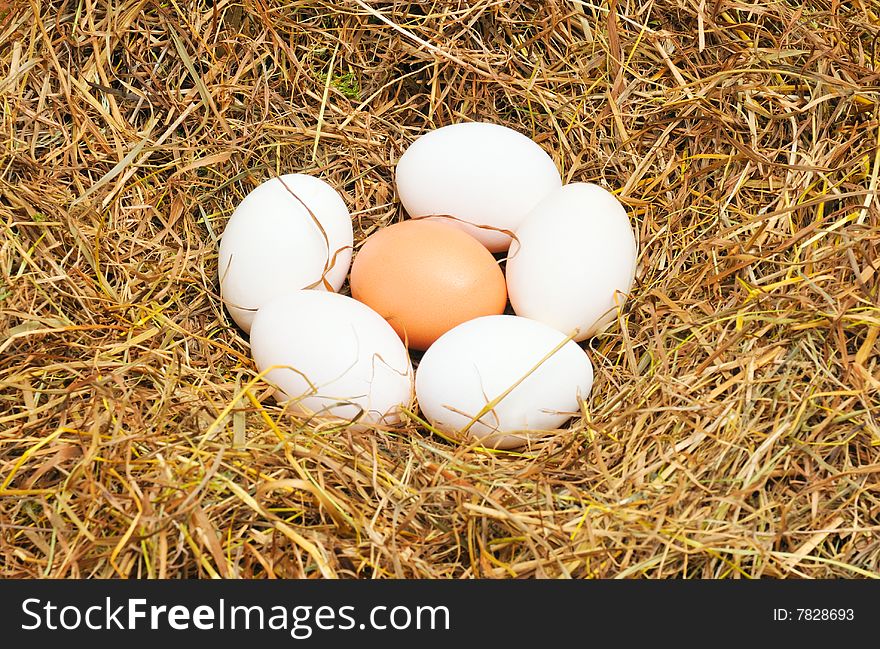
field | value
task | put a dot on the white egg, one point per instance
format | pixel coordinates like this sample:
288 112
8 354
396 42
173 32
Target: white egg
291 232
502 379
574 260
332 358
481 174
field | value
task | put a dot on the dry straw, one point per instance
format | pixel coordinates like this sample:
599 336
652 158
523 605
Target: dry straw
734 428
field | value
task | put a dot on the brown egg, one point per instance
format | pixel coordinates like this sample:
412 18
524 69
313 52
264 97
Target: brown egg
426 277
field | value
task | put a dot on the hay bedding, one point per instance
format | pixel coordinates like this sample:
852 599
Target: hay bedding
733 429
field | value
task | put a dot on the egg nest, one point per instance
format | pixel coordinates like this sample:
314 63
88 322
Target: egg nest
732 429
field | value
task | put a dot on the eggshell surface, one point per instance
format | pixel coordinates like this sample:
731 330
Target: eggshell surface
502 379
480 174
272 244
574 260
426 277
332 357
